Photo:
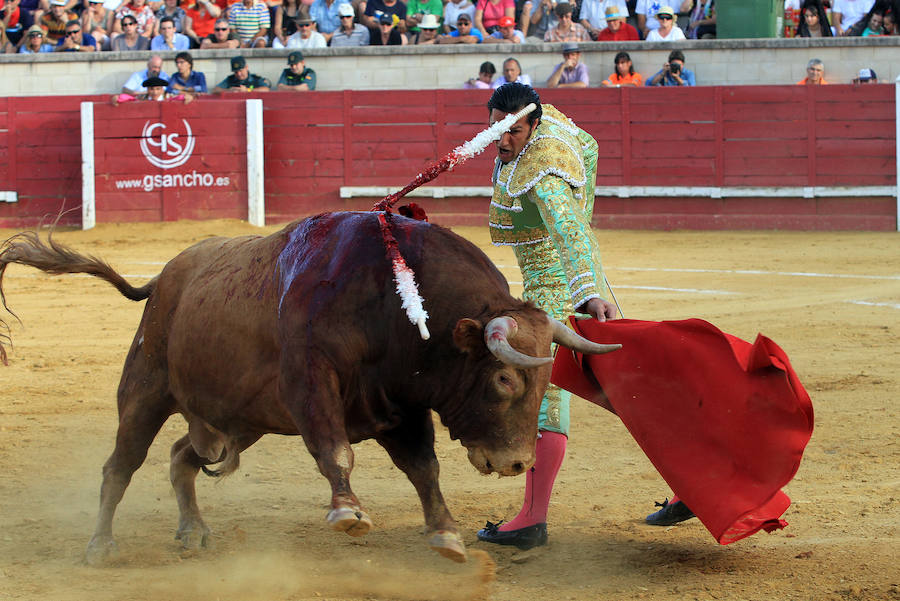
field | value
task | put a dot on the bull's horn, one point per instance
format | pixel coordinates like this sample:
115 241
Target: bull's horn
570 339
496 335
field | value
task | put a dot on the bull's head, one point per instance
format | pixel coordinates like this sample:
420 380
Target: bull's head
512 361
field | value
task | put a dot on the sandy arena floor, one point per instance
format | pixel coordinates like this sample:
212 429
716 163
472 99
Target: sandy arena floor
831 300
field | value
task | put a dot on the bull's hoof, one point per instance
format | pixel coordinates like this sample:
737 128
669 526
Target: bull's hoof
353 522
193 539
448 544
100 550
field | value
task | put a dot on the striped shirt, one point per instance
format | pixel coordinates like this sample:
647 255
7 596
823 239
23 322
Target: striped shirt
247 21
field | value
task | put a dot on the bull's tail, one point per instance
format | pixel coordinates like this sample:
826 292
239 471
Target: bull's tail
27 248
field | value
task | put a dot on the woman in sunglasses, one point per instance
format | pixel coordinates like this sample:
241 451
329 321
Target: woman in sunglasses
667 31
130 40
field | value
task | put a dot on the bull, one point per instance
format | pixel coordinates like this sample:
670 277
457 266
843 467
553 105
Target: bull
300 332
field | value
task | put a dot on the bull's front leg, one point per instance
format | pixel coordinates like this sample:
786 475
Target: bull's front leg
411 447
320 419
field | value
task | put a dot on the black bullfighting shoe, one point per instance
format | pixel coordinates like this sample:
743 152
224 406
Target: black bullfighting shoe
671 513
523 538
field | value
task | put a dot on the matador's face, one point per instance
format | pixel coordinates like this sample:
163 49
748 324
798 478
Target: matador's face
512 142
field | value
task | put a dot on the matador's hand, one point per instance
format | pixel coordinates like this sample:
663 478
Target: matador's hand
599 309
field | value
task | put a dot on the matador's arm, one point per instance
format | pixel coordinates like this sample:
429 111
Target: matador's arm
569 227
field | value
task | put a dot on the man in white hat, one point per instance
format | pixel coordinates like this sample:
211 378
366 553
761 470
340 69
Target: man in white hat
349 34
617 30
428 31
417 10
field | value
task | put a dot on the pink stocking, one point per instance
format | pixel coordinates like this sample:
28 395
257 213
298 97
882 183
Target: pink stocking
549 453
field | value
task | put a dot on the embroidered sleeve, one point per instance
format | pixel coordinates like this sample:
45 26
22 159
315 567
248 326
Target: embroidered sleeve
570 230
589 153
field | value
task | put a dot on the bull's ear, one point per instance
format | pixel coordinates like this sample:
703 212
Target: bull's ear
468 335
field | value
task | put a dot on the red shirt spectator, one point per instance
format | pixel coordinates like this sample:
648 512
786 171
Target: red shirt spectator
617 30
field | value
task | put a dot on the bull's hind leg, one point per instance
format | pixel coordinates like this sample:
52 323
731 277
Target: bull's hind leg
411 448
321 423
186 463
144 406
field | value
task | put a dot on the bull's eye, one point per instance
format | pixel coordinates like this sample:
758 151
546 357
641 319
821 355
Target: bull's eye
506 385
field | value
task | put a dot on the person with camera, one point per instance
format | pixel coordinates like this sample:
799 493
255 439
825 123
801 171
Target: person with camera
673 72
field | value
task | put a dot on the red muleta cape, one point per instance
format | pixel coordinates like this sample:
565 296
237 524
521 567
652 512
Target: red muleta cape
724 421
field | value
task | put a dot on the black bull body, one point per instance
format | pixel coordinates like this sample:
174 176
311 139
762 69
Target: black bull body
302 332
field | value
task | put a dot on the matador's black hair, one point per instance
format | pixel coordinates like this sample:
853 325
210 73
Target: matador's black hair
513 97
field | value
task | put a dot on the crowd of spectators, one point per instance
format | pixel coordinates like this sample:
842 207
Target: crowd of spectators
38 26
185 84
138 25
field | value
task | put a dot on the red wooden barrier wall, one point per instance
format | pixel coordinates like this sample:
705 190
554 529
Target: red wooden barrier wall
219 156
40 158
760 136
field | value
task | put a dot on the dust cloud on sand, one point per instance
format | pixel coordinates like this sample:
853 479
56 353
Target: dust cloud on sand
272 575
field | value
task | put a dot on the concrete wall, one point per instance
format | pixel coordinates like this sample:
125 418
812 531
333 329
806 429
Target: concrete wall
715 62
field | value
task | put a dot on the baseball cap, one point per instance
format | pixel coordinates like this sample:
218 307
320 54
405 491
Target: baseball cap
58 2
506 22
666 10
295 57
864 74
386 19
237 63
35 30
345 10
612 12
463 17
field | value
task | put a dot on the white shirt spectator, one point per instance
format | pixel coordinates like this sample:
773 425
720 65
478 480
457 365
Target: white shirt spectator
675 34
137 79
315 40
523 79
851 11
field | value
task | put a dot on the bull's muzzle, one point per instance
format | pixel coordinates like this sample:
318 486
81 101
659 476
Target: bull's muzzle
507 463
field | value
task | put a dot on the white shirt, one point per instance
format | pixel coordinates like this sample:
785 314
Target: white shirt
594 11
452 10
851 11
315 40
674 35
135 82
523 79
